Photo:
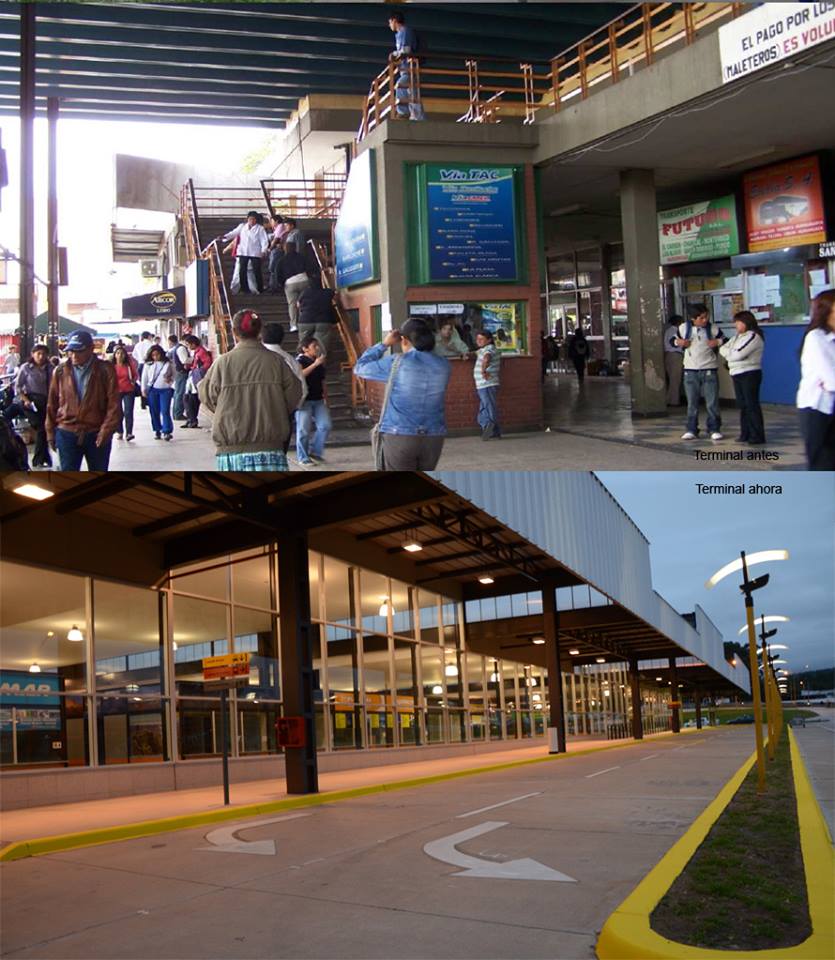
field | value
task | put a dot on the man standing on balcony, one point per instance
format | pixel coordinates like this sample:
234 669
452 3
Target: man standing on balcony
406 46
252 247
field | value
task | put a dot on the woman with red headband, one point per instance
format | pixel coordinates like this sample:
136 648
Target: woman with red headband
253 395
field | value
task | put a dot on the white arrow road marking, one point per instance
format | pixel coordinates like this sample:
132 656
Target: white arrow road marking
493 806
225 839
524 869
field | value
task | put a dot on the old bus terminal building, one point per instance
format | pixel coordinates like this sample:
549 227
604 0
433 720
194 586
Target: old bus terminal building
420 618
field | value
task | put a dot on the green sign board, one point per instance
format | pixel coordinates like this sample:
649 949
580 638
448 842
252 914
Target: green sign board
467 223
699 231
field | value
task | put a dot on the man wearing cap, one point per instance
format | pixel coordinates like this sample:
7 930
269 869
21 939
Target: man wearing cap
82 411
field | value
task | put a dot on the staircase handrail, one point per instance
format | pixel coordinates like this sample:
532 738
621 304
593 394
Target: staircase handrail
319 199
351 340
218 294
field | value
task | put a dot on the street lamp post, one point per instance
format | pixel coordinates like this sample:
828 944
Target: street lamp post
768 688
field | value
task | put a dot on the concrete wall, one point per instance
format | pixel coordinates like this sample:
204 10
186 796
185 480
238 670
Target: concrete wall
36 788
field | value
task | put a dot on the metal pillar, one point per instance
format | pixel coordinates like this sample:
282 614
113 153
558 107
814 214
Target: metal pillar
27 179
52 227
676 718
635 690
296 650
697 697
643 293
556 716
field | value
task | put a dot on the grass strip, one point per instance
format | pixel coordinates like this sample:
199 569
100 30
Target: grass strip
745 887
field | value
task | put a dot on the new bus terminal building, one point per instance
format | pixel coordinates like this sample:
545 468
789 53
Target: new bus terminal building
582 165
416 620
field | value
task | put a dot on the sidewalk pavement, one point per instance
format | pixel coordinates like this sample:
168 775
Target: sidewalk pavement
35 822
816 742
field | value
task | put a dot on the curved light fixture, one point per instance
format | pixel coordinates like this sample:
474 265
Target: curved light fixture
35 668
776 646
385 606
573 653
450 670
485 580
599 659
437 689
763 556
744 627
538 641
74 635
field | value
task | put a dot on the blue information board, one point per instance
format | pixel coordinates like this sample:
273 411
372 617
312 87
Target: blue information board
355 233
471 221
19 689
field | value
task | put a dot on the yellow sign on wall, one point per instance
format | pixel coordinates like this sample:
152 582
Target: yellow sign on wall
226 667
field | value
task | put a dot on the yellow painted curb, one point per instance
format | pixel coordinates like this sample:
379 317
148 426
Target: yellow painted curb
627 934
21 849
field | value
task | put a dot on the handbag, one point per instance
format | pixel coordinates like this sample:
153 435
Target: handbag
376 438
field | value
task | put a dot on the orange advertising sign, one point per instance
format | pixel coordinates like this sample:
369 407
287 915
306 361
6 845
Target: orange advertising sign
784 205
226 667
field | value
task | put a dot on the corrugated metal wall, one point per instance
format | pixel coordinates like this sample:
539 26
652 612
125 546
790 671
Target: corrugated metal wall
575 519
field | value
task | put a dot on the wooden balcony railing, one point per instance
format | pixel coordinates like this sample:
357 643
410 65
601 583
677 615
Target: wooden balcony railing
316 199
484 90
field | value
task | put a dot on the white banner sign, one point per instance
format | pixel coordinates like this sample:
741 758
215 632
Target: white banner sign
773 32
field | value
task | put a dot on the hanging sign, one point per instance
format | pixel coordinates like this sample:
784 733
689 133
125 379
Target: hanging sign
772 32
226 667
784 205
699 231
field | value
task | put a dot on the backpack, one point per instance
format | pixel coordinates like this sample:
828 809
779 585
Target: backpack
174 357
581 347
13 453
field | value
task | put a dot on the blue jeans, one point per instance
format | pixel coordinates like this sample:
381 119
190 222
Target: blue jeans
75 447
488 409
406 96
697 384
180 378
159 403
313 414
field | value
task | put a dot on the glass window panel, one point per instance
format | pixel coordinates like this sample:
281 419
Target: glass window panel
199 727
565 599
343 669
252 583
475 682
504 609
405 672
375 600
129 632
581 596
472 611
38 609
256 632
339 592
409 728
256 726
457 726
561 272
42 730
432 670
429 619
534 602
589 270
380 719
449 613
435 726
452 673
346 723
313 578
402 601
131 729
598 599
519 605
200 630
508 672
376 667
213 582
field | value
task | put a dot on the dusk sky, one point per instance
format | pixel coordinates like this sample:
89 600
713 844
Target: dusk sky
692 535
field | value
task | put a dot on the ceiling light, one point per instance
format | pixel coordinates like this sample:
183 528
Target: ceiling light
137 699
605 693
494 678
23 485
437 689
50 633
537 697
450 670
573 653
74 635
659 678
485 580
384 607
173 644
538 641
599 659
412 546
35 668
132 688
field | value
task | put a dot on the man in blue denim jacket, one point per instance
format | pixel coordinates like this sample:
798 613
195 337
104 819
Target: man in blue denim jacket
413 425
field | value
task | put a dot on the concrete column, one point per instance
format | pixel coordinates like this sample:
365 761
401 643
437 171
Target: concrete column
556 716
606 305
643 292
26 298
296 654
635 691
676 718
697 697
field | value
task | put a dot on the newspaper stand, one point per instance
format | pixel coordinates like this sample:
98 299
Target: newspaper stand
223 673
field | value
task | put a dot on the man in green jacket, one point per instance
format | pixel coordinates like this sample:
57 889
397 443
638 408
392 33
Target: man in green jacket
253 396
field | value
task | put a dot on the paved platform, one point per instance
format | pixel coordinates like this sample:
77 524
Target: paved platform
816 742
525 862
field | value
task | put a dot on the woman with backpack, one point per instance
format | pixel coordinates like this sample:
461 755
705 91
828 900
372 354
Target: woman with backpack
578 352
127 381
158 390
744 353
199 362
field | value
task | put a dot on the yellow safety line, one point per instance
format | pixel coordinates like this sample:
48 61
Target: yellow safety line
21 849
627 934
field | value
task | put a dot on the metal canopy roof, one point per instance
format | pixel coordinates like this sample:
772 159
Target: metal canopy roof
250 63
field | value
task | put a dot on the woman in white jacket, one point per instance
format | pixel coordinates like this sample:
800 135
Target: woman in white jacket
744 353
158 388
816 393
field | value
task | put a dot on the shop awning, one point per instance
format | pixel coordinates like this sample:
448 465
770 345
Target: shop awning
157 305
